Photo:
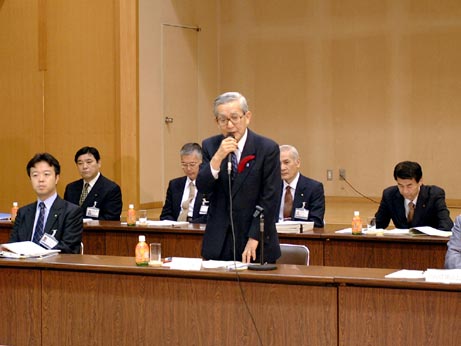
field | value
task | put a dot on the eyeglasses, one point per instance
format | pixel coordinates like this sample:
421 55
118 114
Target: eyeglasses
189 164
234 118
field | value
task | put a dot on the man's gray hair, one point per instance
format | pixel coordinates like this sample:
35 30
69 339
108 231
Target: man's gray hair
191 148
230 97
294 153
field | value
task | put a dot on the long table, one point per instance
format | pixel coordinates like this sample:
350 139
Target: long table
107 300
326 247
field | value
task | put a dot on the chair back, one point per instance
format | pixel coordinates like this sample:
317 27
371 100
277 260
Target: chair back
294 254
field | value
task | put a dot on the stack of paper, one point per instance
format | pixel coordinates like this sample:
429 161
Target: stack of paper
447 276
25 249
294 226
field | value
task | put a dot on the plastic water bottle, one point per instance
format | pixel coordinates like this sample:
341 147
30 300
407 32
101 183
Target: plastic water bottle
14 211
131 216
142 252
356 224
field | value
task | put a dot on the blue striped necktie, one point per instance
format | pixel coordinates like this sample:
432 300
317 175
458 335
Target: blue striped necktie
40 226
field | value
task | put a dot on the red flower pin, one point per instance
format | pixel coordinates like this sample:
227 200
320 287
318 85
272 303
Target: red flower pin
244 163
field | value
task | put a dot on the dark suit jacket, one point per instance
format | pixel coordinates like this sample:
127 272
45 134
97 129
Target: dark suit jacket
311 192
172 207
431 209
257 184
64 217
105 192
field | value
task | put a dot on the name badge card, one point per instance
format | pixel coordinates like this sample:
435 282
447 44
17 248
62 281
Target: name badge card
302 213
92 211
48 240
204 207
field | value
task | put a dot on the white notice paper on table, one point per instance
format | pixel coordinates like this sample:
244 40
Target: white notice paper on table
184 263
406 274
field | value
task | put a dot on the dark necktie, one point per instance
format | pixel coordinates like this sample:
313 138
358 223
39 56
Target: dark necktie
287 204
411 212
40 226
234 164
84 193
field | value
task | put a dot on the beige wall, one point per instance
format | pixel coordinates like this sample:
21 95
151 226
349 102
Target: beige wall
61 88
356 84
359 85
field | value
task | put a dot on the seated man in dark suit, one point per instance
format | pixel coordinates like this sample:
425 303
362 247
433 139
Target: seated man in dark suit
410 203
99 197
183 202
51 221
305 198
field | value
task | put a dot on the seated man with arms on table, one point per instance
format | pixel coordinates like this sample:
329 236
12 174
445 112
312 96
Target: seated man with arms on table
99 197
51 222
183 202
412 204
453 256
308 203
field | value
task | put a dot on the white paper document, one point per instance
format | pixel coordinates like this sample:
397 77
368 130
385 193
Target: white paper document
163 223
446 276
25 249
406 274
229 265
184 263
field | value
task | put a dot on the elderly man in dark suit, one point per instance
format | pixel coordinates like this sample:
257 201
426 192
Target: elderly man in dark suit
412 204
240 170
51 221
183 202
99 197
303 199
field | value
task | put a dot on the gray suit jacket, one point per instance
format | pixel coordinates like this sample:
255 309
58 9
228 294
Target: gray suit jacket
453 256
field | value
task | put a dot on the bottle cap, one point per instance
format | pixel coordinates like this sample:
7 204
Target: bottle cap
356 213
142 238
131 206
15 204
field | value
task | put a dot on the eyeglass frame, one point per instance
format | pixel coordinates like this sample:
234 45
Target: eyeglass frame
189 164
223 122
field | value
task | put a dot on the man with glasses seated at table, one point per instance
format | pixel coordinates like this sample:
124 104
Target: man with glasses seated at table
183 202
412 204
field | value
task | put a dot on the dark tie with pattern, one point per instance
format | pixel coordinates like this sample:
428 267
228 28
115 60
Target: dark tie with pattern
40 226
234 164
84 193
411 212
287 204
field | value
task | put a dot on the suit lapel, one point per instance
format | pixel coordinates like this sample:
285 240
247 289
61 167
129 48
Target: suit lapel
420 205
53 215
30 220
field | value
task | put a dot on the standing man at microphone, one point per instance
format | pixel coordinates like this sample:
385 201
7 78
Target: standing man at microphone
240 170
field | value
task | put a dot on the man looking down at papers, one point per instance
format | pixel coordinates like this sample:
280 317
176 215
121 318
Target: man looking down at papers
412 204
50 222
453 256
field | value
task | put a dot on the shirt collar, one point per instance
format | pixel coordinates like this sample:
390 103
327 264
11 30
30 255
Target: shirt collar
48 202
293 184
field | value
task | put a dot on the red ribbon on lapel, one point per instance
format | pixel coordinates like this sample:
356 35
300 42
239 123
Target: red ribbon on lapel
243 162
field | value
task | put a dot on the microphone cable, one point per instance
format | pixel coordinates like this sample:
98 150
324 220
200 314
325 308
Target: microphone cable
357 191
234 251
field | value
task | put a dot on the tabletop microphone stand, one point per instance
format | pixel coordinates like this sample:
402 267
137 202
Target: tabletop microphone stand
259 213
